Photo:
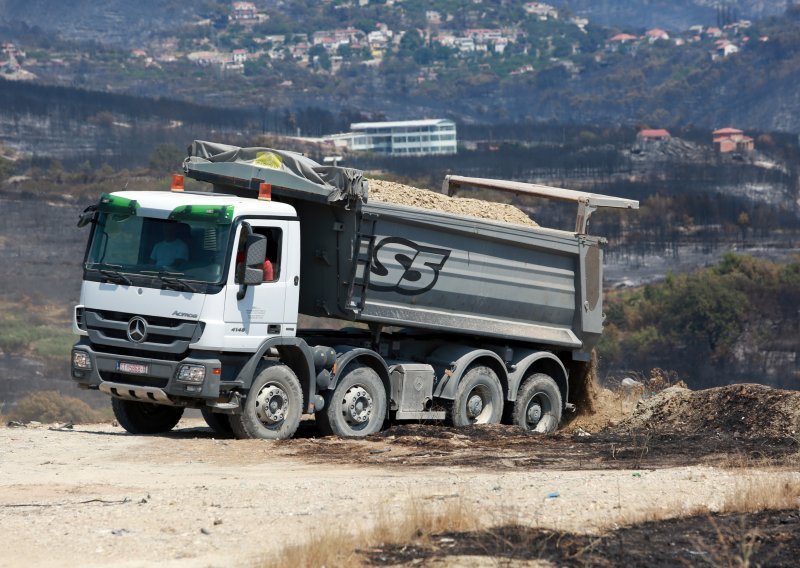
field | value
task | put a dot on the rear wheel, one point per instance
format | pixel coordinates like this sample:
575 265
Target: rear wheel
144 417
218 422
538 405
273 406
356 407
479 398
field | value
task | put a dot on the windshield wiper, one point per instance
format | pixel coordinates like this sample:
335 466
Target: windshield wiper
170 282
112 275
177 284
115 276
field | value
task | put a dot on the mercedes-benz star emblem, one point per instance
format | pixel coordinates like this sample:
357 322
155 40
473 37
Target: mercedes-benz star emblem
137 329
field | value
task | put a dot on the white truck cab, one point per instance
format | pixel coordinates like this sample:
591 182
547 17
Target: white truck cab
197 303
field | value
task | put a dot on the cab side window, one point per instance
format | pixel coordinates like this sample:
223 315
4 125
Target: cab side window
272 265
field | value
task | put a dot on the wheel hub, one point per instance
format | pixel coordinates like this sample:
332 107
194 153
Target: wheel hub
534 413
357 405
271 404
474 406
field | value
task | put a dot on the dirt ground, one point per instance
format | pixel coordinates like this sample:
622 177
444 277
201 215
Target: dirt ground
94 495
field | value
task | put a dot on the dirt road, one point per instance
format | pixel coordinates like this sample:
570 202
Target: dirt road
97 496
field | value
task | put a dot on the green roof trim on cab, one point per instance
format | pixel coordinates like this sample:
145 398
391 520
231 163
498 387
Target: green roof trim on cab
116 204
221 214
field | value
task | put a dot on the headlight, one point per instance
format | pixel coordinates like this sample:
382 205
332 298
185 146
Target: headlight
81 360
191 373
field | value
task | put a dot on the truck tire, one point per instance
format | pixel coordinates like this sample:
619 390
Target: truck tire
479 398
218 422
144 417
273 406
538 405
356 407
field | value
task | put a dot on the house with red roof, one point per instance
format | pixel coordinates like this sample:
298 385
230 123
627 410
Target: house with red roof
650 138
657 134
656 34
619 41
732 140
622 38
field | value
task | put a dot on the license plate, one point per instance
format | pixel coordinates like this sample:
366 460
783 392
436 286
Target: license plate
132 368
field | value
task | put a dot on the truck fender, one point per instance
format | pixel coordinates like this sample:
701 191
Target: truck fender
297 355
457 359
541 362
367 357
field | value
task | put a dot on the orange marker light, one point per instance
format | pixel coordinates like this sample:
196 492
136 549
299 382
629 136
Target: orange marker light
177 182
265 192
216 371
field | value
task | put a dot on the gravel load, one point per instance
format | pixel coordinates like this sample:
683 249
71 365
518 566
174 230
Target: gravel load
391 192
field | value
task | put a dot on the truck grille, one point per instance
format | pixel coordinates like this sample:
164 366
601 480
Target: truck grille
166 335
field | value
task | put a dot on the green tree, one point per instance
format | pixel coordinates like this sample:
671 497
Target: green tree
320 57
410 43
6 169
345 51
165 158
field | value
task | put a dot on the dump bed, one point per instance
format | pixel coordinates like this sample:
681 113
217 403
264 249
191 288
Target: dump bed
378 262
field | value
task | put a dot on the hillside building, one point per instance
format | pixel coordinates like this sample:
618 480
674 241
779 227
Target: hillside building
436 136
244 11
656 34
541 10
732 140
650 138
653 134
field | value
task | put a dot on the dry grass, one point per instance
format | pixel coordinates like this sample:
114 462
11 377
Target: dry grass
335 546
749 495
738 548
419 523
755 495
732 548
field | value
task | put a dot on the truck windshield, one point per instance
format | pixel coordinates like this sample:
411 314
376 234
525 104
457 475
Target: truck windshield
124 245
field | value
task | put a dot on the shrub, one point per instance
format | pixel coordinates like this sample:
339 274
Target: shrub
56 346
53 406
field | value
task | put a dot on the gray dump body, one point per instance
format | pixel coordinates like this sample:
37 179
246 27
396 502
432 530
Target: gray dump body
383 263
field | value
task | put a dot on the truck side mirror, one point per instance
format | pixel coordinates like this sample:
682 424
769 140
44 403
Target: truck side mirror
255 253
87 216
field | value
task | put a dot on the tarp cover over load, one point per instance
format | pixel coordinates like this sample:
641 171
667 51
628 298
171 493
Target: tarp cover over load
283 169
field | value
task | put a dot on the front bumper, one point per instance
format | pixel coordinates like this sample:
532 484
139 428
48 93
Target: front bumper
160 384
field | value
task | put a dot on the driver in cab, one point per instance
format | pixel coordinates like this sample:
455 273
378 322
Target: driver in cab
172 252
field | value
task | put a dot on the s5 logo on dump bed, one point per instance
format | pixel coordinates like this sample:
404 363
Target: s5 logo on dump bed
403 266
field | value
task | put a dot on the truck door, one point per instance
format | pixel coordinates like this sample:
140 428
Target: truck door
261 311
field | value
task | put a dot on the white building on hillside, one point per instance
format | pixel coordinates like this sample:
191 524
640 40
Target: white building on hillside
402 138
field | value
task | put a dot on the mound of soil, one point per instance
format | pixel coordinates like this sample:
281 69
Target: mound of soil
747 411
391 192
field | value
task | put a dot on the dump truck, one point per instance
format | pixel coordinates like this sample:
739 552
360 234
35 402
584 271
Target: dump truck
193 300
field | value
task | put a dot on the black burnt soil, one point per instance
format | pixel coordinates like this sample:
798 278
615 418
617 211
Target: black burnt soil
766 538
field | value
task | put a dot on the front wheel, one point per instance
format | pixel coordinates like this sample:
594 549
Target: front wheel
356 407
273 406
538 405
145 417
479 398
